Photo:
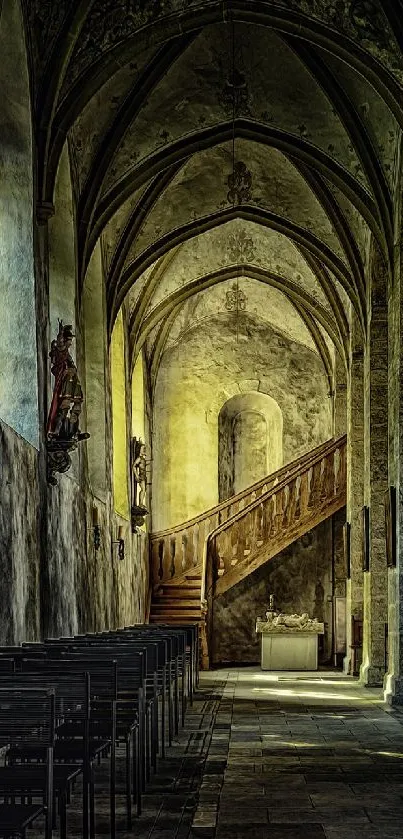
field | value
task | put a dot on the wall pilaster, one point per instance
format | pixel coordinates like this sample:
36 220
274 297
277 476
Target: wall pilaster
355 481
376 472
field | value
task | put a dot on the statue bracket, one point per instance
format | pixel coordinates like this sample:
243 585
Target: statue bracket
138 515
58 455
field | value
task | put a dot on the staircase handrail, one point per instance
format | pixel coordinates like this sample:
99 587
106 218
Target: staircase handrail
297 463
305 464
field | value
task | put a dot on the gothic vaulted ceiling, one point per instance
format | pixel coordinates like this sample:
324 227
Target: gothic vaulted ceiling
214 143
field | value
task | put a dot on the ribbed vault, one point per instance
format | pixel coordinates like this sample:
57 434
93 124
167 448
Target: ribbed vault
193 122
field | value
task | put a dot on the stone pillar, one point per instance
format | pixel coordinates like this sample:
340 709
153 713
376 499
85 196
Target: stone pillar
376 471
340 397
393 683
355 481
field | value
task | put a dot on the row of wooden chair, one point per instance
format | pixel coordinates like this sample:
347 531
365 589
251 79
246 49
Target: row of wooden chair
67 704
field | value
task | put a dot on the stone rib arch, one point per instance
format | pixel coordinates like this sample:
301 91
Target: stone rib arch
175 152
293 24
290 289
180 235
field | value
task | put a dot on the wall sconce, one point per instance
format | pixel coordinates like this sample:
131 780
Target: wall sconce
120 542
96 529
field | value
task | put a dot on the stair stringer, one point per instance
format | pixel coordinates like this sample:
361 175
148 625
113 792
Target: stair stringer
268 551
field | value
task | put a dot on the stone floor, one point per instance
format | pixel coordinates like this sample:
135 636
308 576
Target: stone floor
275 756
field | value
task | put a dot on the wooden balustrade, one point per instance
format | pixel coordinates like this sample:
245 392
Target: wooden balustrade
181 549
274 520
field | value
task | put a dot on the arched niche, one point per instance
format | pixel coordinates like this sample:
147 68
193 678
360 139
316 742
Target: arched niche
119 418
62 258
250 441
18 346
95 355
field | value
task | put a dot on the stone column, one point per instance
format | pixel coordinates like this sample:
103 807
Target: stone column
376 470
355 481
393 683
340 397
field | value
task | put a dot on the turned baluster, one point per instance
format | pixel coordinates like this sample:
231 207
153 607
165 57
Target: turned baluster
196 545
315 486
297 499
237 541
260 524
289 515
278 515
184 543
328 478
201 540
160 549
246 525
223 550
269 512
304 493
172 552
253 526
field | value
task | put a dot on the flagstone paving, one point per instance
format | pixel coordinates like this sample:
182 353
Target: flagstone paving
275 756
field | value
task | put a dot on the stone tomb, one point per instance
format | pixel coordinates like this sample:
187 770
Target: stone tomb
289 642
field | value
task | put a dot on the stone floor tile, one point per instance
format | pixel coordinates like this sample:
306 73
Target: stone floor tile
309 768
324 815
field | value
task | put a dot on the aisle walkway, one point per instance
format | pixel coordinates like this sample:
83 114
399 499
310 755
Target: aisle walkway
281 756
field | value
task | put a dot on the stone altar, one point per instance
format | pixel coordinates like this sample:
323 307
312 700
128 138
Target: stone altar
289 642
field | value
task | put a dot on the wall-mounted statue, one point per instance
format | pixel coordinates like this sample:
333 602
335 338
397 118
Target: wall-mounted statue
62 428
139 482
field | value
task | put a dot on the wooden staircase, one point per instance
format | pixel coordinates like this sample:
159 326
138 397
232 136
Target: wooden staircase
202 558
178 600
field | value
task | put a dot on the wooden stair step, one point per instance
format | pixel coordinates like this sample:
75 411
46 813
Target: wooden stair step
171 611
178 616
157 610
168 600
173 621
184 607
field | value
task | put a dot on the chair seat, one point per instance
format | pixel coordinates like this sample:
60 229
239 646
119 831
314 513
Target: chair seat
14 818
65 751
32 778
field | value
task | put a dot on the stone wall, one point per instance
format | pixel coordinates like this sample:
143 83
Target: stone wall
19 539
52 580
301 579
210 364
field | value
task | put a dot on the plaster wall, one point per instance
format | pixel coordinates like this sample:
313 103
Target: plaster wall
18 380
62 260
199 374
95 374
119 418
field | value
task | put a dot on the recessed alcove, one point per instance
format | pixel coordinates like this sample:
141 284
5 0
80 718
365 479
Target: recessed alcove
250 446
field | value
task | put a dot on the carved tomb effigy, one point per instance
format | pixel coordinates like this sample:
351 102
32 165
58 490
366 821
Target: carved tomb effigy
289 642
